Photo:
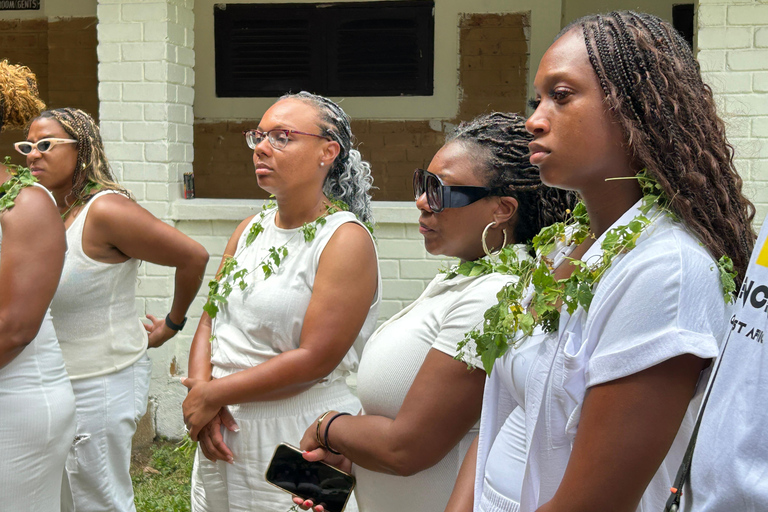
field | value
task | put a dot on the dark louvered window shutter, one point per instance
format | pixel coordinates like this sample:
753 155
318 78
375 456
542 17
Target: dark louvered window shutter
343 49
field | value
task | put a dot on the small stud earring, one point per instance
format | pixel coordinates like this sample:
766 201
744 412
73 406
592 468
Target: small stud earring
322 164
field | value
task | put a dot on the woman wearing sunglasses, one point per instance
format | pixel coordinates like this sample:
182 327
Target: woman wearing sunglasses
94 312
279 350
37 408
420 404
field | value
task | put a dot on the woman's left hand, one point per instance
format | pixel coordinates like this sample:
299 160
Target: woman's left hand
197 408
158 331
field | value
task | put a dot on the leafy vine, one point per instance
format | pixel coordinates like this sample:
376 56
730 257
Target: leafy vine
231 274
536 298
21 177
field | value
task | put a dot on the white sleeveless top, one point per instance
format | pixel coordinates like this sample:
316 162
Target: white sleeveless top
266 318
94 309
41 360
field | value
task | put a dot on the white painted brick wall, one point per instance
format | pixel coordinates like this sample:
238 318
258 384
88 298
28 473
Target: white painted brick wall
733 52
158 94
146 81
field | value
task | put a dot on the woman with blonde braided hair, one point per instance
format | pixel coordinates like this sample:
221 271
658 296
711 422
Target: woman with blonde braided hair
622 117
37 407
102 339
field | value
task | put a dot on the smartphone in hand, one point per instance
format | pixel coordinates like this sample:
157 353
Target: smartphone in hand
317 481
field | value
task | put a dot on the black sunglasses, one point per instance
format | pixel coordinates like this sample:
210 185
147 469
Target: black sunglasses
440 197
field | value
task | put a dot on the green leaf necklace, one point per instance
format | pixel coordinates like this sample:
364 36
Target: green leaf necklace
536 298
21 178
231 274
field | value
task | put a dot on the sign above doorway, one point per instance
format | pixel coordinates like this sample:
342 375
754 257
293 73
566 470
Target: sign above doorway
19 5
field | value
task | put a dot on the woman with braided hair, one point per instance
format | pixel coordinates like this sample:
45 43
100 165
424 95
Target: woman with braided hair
420 404
623 118
94 312
37 408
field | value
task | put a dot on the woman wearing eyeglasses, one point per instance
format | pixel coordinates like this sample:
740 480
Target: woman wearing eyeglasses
94 312
37 408
420 404
279 350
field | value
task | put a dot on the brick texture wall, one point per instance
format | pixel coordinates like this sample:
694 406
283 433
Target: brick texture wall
493 74
62 54
733 52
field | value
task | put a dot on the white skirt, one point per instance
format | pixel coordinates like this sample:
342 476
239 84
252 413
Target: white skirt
222 487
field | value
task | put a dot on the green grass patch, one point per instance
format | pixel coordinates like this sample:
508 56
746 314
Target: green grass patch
161 478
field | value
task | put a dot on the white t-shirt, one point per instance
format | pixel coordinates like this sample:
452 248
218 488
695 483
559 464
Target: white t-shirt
503 439
729 471
439 319
661 300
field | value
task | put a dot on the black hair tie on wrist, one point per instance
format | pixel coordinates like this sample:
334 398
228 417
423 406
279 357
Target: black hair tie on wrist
328 427
174 326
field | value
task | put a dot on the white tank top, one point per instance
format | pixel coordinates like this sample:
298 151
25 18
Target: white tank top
94 309
266 318
40 361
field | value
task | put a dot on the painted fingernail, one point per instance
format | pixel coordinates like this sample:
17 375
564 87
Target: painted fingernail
236 429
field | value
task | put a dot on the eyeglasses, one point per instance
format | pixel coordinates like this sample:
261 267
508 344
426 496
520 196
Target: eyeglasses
440 196
43 145
278 138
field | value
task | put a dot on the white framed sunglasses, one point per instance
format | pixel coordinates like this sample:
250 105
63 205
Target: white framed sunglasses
43 145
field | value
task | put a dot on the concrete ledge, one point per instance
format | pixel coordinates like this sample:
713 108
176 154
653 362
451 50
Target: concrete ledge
385 212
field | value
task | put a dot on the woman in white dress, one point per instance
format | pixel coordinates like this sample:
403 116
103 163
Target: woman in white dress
421 404
94 309
610 395
37 407
282 343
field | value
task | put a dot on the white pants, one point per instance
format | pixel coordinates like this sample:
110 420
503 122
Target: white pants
37 424
241 487
109 408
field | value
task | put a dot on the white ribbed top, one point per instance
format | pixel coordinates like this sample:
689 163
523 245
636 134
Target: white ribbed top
94 309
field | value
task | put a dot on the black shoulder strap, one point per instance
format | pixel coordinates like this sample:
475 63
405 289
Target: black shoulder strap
684 472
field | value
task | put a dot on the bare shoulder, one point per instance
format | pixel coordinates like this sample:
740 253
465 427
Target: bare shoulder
351 244
116 209
110 204
352 233
34 201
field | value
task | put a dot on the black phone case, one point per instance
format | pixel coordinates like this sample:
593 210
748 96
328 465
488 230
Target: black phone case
329 491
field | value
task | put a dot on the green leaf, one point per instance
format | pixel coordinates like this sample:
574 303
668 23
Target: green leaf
256 230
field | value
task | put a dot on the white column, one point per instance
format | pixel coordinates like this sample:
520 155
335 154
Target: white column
146 90
733 52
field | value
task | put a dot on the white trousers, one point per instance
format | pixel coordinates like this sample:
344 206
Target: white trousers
109 408
37 424
241 487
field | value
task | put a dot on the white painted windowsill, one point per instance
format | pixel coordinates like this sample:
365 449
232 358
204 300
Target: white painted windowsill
384 212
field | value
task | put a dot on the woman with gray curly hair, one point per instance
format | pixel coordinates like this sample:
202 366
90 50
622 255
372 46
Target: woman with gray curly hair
280 345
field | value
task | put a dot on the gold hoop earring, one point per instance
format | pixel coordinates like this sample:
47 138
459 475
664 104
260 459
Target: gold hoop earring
485 244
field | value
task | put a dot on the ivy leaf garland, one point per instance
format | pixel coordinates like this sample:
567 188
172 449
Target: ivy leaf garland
21 177
536 298
232 275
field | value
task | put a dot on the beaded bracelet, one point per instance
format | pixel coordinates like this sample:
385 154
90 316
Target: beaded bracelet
327 427
317 428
